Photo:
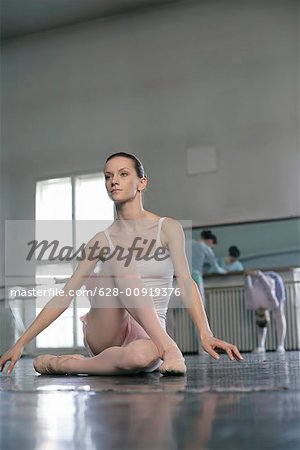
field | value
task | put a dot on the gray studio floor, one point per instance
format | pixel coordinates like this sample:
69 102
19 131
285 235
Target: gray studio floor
218 405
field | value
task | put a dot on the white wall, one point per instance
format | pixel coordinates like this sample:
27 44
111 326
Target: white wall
6 329
203 72
222 73
1 221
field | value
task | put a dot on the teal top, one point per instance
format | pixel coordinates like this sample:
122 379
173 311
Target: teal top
235 266
201 254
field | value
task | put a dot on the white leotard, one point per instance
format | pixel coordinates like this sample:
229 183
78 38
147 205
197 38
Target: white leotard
156 275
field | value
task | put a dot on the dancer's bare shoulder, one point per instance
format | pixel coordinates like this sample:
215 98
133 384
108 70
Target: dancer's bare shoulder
99 238
96 245
151 216
171 230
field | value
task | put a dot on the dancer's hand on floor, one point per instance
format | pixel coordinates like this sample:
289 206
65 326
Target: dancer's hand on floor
12 355
210 344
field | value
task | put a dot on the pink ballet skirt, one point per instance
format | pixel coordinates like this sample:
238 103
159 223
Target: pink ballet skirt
133 332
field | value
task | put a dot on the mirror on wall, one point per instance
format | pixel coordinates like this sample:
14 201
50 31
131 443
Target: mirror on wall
263 244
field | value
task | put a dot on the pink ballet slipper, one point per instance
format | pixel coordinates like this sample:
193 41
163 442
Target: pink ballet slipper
75 356
173 362
42 364
50 364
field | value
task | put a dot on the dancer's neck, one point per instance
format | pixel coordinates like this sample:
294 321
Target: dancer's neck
130 212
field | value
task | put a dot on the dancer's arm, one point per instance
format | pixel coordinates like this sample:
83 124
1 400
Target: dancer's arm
174 239
212 260
248 287
52 310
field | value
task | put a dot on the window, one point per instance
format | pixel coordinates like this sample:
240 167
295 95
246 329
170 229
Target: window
82 203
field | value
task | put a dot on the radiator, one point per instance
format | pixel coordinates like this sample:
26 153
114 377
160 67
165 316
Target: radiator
232 322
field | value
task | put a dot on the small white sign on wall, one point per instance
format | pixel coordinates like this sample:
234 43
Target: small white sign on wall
201 159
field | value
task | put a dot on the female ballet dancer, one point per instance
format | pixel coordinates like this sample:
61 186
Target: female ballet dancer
125 334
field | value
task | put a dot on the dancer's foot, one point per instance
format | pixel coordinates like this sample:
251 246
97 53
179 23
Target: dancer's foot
41 364
280 349
173 362
259 350
50 364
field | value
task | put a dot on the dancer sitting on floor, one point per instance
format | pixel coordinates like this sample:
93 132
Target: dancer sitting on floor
125 334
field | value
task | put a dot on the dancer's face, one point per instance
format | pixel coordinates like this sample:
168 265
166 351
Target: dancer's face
121 180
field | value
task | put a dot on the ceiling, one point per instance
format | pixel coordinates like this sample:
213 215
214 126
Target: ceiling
21 17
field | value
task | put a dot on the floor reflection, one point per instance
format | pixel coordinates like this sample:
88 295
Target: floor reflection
217 406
